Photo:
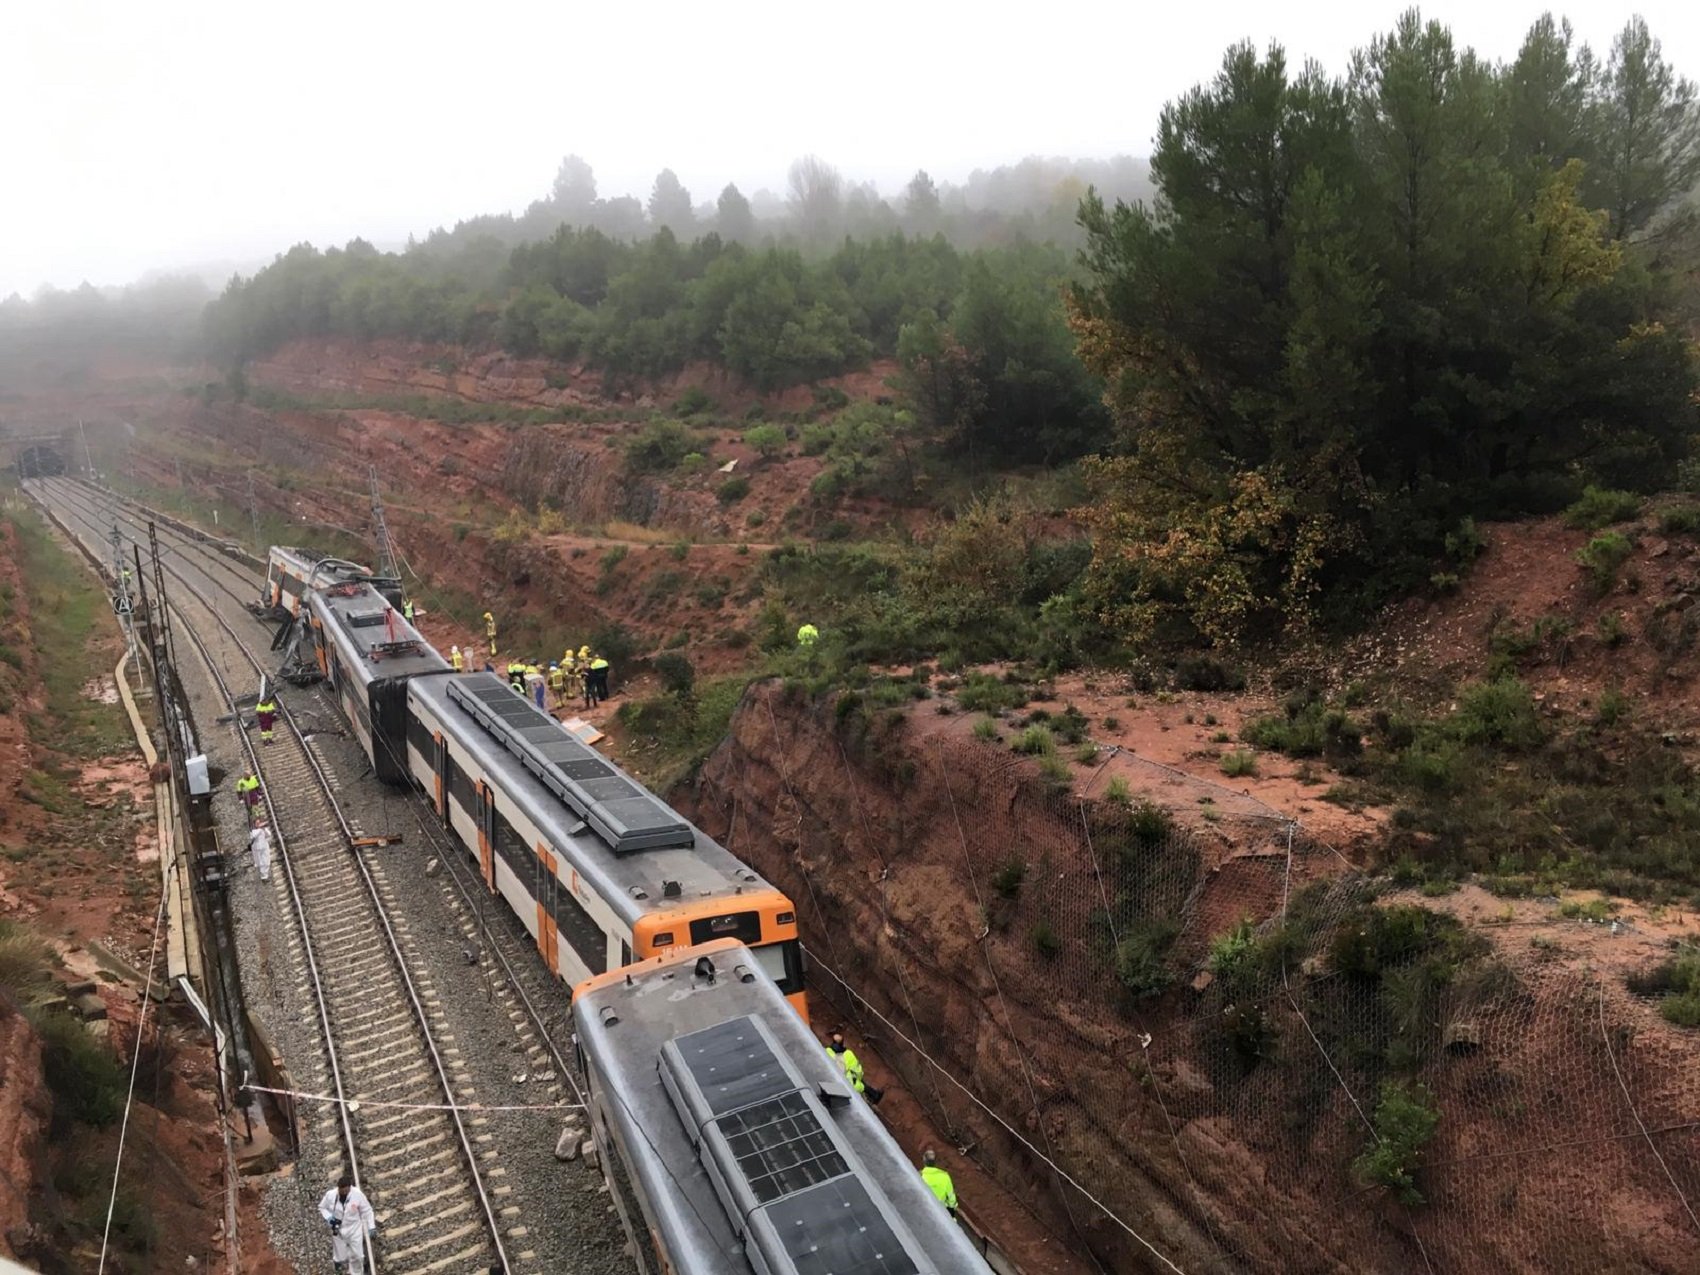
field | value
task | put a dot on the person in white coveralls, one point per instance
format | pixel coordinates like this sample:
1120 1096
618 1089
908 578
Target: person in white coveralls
348 1213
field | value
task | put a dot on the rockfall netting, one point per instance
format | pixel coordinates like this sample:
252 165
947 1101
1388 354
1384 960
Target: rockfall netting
1206 1041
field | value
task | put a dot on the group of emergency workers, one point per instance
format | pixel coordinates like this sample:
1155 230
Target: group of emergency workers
581 673
577 673
938 1180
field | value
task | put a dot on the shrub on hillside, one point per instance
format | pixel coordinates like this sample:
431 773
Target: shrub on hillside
1603 556
1208 673
677 673
1600 507
1683 520
1306 729
1140 956
732 490
767 440
88 1084
1676 985
660 446
1500 713
1405 1121
694 402
1238 763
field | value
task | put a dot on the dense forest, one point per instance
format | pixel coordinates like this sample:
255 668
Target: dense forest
1366 308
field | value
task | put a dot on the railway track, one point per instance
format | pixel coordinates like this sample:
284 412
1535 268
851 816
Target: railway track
393 1071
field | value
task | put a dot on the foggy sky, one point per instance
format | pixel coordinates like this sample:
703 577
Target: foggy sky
140 137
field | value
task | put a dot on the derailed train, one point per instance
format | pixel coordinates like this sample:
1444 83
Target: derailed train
600 871
704 1090
730 1138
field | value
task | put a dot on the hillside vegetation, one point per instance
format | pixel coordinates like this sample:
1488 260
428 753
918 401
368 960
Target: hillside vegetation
1366 308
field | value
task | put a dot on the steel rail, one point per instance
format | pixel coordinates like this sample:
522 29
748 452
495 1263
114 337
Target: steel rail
349 837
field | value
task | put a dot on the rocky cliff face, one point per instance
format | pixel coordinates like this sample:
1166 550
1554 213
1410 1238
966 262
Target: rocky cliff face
958 909
25 1107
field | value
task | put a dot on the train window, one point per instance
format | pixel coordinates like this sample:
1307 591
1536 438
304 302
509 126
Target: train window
512 850
460 787
580 930
743 926
783 963
419 736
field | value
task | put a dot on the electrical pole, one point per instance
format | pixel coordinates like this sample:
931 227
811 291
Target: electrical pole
165 645
88 460
122 602
381 530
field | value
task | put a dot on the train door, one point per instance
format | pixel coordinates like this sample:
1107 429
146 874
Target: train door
440 770
548 937
487 834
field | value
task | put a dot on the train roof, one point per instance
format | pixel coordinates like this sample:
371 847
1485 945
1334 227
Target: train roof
305 560
626 842
759 1157
376 641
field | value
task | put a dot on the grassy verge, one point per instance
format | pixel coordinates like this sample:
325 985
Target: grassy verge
70 615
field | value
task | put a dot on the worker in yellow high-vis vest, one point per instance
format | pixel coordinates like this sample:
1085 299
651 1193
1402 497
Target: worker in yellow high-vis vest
938 1181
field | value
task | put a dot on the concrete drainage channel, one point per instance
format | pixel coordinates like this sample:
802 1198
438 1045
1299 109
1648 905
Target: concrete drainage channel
435 1213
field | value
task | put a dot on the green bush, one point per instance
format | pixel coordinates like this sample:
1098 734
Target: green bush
1465 543
1055 770
1597 910
1150 824
1008 878
767 440
1435 763
1036 741
1374 941
1676 983
678 675
1683 1009
1683 520
1405 1121
1208 673
660 446
1600 507
694 402
1612 708
1602 556
1140 957
987 729
1499 714
88 1084
1310 730
732 490
26 963
983 693
1118 791
1070 725
1232 955
612 558
1238 763
1045 940
616 644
